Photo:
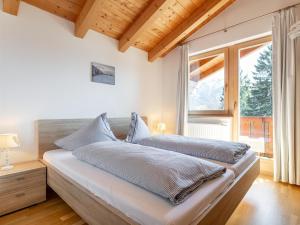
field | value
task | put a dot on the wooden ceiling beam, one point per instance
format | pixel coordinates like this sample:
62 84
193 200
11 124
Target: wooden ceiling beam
146 18
247 51
11 6
212 70
204 13
196 65
86 17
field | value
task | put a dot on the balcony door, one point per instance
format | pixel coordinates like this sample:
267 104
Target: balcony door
255 96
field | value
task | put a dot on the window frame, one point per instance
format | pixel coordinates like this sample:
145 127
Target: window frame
225 111
231 68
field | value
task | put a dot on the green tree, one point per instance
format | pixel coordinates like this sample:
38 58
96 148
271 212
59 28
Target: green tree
258 102
245 93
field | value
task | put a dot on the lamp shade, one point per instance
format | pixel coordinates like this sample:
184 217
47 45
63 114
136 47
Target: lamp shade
161 127
8 141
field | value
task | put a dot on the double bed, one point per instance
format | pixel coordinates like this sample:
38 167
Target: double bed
101 198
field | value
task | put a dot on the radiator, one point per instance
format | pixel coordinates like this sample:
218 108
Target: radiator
211 131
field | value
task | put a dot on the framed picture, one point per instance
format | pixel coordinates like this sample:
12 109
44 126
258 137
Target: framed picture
103 73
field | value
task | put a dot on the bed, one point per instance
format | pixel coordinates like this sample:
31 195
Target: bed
100 201
239 167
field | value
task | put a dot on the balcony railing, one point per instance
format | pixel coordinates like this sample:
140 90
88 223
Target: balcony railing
258 132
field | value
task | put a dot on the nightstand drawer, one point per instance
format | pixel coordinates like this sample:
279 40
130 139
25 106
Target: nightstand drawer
22 198
22 186
22 181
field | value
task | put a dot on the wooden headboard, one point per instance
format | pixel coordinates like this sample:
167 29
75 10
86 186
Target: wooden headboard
49 131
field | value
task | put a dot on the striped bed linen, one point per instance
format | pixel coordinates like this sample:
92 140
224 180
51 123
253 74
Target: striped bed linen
171 175
223 151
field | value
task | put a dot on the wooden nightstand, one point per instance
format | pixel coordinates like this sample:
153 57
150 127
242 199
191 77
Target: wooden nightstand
22 186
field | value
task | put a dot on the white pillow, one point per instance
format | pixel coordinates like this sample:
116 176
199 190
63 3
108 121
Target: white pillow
98 130
137 130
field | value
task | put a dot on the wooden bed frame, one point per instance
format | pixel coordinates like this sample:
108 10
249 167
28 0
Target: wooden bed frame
94 210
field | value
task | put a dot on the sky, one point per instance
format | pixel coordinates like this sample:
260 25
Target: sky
248 62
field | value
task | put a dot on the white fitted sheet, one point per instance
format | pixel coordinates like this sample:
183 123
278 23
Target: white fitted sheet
140 205
239 167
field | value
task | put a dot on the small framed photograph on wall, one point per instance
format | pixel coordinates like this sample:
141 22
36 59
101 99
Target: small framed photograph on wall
103 73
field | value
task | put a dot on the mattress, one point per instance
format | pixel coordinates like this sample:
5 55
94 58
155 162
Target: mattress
239 167
140 205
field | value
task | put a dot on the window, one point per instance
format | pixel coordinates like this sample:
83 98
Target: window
207 85
236 82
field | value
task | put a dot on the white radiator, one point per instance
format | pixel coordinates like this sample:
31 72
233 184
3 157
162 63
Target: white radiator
210 130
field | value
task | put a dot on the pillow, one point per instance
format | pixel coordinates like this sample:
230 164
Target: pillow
137 130
96 131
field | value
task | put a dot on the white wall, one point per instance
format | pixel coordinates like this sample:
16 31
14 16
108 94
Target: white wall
241 10
170 77
45 73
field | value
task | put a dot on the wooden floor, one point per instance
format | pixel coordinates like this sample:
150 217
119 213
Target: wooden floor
52 212
267 203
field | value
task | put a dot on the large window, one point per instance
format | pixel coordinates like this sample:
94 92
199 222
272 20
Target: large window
208 83
236 82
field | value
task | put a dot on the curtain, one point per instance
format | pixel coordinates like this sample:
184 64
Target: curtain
295 31
182 91
286 98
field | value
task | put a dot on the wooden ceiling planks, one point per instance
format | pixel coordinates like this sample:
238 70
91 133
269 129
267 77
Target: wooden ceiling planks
156 26
11 6
144 20
204 13
116 16
63 8
164 24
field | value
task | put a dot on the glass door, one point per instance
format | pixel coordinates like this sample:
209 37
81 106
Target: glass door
255 97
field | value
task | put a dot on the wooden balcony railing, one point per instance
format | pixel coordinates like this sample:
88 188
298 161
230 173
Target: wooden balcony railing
259 127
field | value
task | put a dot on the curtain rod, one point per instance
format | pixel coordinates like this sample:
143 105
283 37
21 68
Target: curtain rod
237 24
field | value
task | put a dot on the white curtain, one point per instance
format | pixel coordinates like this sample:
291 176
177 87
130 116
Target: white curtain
182 91
286 98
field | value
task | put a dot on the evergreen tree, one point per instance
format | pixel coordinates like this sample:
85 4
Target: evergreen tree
245 93
259 101
262 89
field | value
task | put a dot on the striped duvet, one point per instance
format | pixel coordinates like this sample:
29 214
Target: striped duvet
224 151
171 175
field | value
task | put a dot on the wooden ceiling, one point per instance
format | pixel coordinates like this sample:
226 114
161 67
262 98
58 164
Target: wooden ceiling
155 26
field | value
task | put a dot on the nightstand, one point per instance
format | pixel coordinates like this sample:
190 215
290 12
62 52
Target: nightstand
22 186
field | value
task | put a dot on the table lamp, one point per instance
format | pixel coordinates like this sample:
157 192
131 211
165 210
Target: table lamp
161 127
8 142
